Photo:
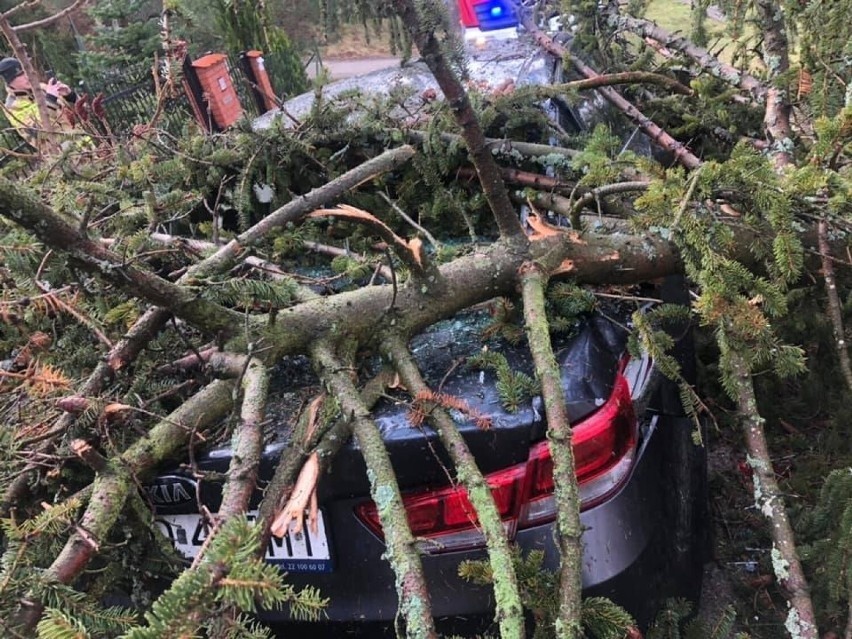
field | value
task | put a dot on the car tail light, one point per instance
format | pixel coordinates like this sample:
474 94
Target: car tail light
604 450
487 15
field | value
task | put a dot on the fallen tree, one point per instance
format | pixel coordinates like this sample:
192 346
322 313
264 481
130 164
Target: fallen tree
742 232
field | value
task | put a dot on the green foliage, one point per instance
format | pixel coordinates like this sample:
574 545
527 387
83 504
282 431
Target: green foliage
513 387
251 293
539 589
826 530
248 25
126 31
671 623
504 322
650 335
735 298
230 574
566 304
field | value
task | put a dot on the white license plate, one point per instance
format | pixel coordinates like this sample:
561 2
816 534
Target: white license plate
306 551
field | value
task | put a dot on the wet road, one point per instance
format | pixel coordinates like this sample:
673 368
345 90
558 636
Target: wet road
347 68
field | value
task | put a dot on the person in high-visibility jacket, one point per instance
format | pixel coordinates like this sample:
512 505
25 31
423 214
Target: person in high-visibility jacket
22 111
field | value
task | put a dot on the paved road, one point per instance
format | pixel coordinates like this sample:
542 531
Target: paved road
347 68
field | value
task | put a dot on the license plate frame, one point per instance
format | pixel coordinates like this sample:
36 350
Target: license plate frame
304 552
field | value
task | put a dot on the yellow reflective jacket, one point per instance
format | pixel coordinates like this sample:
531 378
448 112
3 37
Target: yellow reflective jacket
22 112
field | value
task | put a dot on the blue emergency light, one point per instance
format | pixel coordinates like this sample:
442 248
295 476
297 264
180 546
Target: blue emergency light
494 14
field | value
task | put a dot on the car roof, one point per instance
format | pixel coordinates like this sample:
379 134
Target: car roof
491 64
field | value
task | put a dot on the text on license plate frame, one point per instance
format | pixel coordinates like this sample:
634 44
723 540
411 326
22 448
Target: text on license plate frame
304 552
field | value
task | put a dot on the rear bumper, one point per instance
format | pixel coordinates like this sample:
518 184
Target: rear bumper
623 545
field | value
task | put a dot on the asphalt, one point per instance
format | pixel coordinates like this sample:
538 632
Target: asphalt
339 69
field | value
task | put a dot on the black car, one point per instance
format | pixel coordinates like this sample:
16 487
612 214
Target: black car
642 477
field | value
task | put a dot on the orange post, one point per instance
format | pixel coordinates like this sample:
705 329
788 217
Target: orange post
214 81
262 87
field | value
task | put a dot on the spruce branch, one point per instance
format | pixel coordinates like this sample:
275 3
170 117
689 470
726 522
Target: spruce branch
776 56
607 80
247 441
298 208
414 602
533 281
112 487
683 155
801 621
409 251
18 205
509 612
835 310
426 40
699 56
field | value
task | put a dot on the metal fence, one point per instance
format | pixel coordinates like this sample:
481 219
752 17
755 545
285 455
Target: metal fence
130 98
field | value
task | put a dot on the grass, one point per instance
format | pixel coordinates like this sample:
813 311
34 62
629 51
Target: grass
354 42
675 16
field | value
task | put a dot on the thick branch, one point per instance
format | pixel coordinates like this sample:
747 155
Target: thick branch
247 441
414 603
489 175
682 154
612 258
570 531
700 56
509 613
801 622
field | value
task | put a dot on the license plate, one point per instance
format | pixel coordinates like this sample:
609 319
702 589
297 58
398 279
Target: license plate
306 551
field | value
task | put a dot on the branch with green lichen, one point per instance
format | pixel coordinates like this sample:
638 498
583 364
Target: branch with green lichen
801 621
509 612
414 606
533 280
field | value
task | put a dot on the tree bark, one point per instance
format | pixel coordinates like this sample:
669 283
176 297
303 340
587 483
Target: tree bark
801 621
415 607
247 440
776 56
569 530
509 612
489 174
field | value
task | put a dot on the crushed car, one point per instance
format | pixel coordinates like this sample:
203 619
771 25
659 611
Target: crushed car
641 474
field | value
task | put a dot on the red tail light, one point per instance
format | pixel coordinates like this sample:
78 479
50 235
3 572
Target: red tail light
604 449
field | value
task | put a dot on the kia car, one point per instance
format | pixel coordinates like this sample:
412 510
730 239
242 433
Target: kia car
641 476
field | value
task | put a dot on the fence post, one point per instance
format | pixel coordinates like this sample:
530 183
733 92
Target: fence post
211 91
254 68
